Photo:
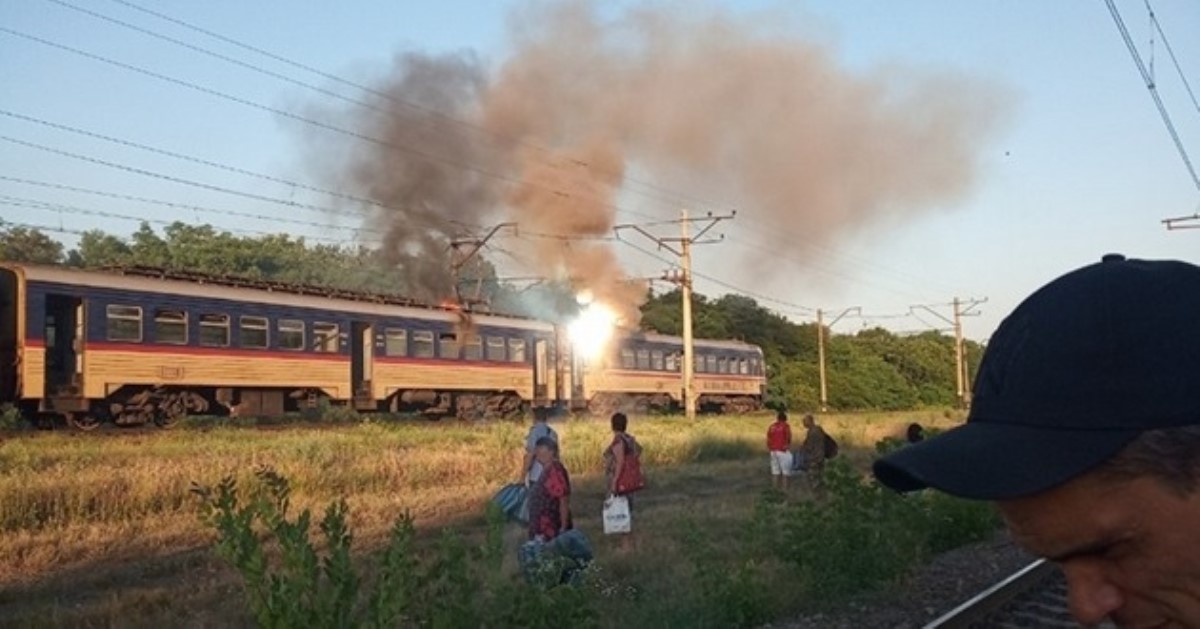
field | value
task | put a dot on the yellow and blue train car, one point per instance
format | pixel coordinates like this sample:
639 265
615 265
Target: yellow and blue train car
643 372
136 346
141 346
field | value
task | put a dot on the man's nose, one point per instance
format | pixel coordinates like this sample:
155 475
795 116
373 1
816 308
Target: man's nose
1091 595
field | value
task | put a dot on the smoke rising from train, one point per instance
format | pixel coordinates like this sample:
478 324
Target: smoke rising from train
561 133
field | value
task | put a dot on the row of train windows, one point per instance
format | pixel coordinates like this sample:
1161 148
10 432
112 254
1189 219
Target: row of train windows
473 347
657 360
124 323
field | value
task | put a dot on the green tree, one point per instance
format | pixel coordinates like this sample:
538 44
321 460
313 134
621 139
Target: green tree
24 244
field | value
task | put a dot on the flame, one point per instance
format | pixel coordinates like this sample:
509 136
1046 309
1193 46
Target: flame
592 330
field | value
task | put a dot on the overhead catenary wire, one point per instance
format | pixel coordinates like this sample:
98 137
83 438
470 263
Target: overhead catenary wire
232 169
325 126
244 101
562 237
181 206
661 193
1153 89
1171 53
72 209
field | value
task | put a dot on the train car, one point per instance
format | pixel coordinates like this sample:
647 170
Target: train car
144 346
138 346
642 372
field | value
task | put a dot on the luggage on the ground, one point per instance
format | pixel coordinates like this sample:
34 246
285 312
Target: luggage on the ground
513 500
561 561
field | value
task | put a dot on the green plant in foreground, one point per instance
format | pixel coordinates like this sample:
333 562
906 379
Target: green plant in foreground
453 586
11 418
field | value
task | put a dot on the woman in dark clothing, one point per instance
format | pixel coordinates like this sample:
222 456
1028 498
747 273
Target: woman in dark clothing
550 496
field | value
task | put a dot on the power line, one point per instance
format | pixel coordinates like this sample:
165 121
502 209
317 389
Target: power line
229 168
173 179
1150 86
662 194
422 154
71 209
1171 53
181 206
722 283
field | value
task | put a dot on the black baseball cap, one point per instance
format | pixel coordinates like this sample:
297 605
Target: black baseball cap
1076 372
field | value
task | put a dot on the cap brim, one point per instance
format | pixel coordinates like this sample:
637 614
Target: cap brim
993 461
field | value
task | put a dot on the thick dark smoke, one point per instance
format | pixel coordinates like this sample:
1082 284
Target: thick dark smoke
681 97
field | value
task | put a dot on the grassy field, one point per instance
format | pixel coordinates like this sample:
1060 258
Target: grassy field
100 529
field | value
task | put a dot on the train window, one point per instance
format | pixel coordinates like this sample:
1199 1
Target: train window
753 366
395 342
473 347
448 345
743 366
495 348
423 344
214 330
627 359
325 337
291 333
722 364
672 362
699 363
254 332
170 326
656 360
710 363
124 323
643 359
516 350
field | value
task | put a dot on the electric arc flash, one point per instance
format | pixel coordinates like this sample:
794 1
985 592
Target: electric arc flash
592 330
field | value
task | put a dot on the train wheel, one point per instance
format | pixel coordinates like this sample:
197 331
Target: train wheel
83 421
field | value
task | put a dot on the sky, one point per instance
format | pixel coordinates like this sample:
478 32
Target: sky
1077 164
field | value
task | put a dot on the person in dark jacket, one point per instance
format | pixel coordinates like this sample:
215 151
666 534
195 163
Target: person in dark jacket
1084 429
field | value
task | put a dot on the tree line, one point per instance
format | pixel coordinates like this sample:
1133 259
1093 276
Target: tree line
871 369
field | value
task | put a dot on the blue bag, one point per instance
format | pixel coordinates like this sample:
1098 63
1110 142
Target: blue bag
512 500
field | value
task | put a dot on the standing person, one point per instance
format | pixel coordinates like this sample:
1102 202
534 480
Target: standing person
1084 429
622 447
813 450
779 443
915 433
550 496
531 468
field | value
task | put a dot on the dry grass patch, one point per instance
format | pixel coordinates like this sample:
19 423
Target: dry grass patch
101 529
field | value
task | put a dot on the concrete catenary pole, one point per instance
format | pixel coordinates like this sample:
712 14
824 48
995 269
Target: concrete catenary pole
684 251
689 350
821 349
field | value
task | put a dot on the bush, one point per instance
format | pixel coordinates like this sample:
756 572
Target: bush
290 584
11 418
863 536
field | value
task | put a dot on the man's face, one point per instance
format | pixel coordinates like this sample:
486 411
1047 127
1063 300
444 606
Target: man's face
1129 549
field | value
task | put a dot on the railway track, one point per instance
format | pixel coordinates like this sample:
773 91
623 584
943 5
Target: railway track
1035 596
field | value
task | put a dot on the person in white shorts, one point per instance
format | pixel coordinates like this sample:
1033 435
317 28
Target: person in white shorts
779 443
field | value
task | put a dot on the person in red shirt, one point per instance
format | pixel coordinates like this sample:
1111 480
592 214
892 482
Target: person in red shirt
779 442
550 496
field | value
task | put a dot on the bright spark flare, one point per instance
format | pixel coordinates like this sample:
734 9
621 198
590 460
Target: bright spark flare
591 332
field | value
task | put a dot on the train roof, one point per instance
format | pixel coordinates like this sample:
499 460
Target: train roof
147 279
655 337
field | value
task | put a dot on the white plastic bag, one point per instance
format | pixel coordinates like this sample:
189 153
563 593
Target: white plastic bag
616 515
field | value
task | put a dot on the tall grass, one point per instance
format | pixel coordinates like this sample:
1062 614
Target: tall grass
75 501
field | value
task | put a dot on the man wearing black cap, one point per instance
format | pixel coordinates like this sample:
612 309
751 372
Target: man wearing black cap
1085 431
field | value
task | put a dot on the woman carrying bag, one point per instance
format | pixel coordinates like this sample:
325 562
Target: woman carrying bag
623 472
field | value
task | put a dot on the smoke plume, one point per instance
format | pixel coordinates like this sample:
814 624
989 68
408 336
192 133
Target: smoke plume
702 103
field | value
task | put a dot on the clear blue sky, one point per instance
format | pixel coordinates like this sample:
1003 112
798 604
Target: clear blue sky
1081 167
